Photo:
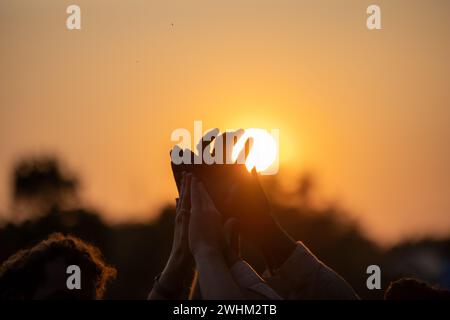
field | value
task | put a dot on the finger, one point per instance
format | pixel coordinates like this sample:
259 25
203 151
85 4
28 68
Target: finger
235 137
178 212
227 141
190 155
186 199
180 199
183 173
244 152
185 206
176 168
175 152
219 146
248 146
207 202
238 133
196 196
232 138
206 140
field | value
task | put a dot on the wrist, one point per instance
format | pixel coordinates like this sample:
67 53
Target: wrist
206 252
177 267
180 258
164 287
172 279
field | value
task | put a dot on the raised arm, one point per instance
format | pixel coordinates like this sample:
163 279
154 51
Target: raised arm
174 281
205 231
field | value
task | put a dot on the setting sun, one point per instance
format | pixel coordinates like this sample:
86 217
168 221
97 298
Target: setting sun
263 151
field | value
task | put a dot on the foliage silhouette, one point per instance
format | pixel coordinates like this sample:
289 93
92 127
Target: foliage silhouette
139 251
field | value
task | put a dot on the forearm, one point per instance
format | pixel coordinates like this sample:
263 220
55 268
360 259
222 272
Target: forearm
304 276
276 245
251 283
174 281
214 276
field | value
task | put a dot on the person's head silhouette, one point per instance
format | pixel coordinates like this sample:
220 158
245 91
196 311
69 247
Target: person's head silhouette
413 289
41 272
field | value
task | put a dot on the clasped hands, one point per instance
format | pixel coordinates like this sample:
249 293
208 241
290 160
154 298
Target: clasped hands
218 203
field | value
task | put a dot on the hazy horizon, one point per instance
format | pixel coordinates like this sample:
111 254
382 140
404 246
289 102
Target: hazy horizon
367 111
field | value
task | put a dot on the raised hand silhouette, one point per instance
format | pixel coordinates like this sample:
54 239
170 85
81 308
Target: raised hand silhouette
236 192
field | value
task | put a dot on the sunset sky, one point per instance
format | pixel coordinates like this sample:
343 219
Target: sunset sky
367 111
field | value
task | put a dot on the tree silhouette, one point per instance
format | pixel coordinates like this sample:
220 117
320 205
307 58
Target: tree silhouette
41 185
139 250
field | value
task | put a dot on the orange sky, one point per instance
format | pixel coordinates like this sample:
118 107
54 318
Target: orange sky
367 111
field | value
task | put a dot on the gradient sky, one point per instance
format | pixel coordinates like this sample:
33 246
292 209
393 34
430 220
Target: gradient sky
367 111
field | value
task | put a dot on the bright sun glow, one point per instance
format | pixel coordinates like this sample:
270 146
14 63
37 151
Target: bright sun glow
263 151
